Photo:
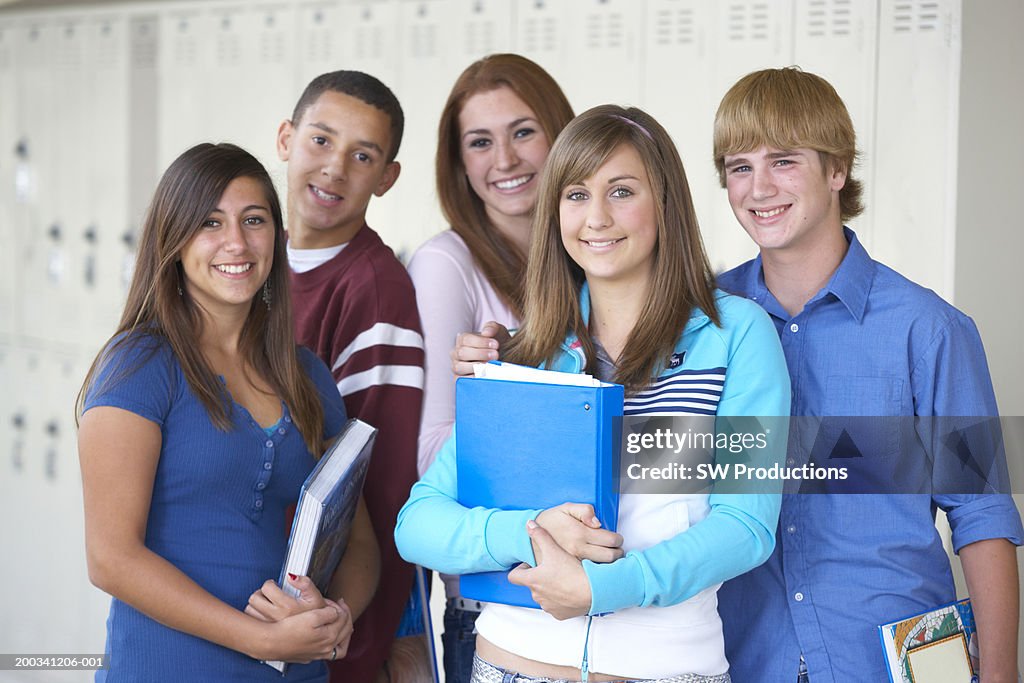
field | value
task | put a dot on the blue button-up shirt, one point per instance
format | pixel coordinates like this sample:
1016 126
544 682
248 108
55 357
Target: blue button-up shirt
872 343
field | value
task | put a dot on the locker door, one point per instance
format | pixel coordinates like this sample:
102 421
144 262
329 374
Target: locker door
22 493
677 89
838 40
320 27
144 73
478 28
918 114
57 505
107 114
748 35
371 38
539 33
71 202
186 58
603 39
252 81
427 29
44 259
227 75
8 163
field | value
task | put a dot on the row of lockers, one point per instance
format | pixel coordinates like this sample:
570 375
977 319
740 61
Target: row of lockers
94 103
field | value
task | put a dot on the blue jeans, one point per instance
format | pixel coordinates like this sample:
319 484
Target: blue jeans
485 672
801 676
459 643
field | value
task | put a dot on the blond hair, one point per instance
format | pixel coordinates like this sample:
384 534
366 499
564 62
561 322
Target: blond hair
790 109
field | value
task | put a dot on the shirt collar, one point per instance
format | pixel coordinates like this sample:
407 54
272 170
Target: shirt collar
851 282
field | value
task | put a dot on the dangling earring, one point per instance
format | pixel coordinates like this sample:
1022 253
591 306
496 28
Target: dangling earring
180 293
266 293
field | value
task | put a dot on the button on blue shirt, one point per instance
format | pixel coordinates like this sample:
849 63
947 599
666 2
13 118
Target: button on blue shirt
869 343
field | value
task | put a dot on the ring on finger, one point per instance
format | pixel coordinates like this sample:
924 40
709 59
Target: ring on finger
334 653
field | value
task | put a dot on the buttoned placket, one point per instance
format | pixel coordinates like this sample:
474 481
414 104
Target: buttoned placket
268 452
793 336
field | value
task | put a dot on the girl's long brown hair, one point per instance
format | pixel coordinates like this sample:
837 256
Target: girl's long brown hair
189 190
682 280
501 262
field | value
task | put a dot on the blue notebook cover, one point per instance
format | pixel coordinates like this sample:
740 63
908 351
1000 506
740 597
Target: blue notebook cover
523 445
326 509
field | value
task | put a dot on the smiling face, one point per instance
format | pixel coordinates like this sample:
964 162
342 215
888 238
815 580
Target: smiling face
337 159
785 199
228 259
503 149
609 224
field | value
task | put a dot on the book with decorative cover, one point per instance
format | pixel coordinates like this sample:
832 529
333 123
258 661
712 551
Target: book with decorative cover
326 507
937 646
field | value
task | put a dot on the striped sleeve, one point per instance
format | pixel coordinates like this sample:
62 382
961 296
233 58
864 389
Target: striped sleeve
385 354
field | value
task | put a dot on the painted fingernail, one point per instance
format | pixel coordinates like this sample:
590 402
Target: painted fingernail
292 576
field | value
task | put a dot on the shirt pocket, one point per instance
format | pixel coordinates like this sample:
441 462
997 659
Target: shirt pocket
861 430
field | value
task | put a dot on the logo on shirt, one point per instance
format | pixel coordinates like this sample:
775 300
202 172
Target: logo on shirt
676 360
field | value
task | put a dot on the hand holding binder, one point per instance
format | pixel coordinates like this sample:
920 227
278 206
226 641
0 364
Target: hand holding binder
577 530
558 583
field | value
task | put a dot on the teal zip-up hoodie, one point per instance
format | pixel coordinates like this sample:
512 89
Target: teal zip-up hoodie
738 533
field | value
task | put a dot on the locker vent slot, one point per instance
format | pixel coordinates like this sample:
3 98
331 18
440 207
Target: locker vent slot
674 27
748 22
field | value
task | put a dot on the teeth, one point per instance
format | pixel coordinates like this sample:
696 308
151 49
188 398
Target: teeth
324 195
234 270
769 214
513 183
605 243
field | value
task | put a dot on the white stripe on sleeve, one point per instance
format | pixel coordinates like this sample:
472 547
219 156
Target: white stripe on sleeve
396 375
381 334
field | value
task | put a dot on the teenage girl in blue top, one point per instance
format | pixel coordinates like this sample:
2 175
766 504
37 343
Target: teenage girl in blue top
200 421
618 286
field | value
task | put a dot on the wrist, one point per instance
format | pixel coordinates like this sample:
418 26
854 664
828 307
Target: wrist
1007 676
256 640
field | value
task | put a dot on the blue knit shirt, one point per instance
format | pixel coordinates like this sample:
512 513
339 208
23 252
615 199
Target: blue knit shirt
217 512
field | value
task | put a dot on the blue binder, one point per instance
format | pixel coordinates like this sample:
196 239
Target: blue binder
523 445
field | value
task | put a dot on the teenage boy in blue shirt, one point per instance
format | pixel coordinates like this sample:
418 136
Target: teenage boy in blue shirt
860 339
